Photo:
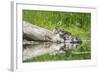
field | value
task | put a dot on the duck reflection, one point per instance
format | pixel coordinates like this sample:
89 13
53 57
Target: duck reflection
40 48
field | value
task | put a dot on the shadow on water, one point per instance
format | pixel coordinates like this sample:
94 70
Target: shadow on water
36 49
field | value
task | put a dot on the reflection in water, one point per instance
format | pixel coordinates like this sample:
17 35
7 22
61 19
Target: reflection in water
40 48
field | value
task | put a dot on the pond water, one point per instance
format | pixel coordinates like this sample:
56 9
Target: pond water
47 51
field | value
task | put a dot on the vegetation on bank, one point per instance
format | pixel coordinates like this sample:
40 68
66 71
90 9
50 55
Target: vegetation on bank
78 23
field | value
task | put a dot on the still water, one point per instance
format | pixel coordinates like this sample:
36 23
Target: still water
47 51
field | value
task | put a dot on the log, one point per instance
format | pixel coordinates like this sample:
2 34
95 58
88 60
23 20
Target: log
36 33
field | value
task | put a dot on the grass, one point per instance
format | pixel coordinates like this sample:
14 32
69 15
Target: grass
79 24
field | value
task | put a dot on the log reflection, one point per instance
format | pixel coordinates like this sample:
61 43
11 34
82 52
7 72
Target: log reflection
40 48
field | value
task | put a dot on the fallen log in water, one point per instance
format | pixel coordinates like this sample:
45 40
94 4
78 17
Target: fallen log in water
33 32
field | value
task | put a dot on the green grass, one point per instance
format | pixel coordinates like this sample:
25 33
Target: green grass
79 24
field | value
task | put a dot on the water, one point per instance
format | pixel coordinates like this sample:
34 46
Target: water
47 51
